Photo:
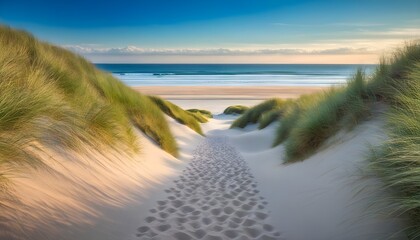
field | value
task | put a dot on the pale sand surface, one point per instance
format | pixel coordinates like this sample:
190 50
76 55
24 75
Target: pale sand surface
236 187
327 196
227 92
216 197
230 185
99 196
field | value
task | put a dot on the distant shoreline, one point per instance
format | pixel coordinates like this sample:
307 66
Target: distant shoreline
227 92
233 75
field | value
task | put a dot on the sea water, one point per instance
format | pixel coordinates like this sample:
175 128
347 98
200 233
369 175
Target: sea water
234 74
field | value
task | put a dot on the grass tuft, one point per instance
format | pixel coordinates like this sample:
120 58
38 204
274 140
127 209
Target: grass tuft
180 115
308 121
235 109
269 117
312 119
253 114
198 117
201 112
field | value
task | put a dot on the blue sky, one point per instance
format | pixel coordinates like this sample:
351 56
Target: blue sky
246 31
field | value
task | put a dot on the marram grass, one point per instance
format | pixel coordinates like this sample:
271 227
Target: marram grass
235 109
269 117
307 122
201 118
179 114
397 161
202 112
53 97
253 114
311 119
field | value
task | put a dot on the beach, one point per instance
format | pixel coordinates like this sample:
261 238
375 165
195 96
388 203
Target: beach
153 155
227 92
256 120
217 98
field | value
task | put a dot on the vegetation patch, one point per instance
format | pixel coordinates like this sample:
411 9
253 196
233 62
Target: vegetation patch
253 114
202 112
307 122
329 112
180 115
52 97
269 117
236 109
199 117
397 161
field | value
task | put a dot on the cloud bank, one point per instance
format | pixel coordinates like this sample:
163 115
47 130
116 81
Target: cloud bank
134 50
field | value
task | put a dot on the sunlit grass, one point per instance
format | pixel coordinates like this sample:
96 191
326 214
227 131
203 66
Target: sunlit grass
235 109
142 111
329 112
253 114
51 96
269 117
180 115
201 112
198 117
397 161
307 122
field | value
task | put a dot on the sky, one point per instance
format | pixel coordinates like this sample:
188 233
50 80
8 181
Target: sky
220 31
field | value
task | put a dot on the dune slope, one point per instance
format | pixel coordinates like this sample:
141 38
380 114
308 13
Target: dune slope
327 196
74 141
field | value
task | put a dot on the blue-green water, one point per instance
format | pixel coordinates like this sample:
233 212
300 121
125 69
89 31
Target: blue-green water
233 74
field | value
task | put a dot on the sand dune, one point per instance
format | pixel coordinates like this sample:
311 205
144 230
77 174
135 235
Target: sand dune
95 196
327 196
235 187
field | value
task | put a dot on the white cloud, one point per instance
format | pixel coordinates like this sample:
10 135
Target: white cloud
395 32
359 42
134 50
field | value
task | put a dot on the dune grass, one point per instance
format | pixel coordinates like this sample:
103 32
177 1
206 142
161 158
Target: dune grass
329 112
291 113
180 115
198 117
201 112
310 120
384 82
53 97
140 110
253 114
269 117
235 109
307 122
397 161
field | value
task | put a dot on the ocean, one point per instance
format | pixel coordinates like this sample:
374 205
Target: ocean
233 74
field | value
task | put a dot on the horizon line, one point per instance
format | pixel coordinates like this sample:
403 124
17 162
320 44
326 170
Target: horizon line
195 63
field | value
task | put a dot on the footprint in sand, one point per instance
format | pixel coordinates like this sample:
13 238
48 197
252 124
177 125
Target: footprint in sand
215 198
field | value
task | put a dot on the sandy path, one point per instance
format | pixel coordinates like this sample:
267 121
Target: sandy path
216 197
